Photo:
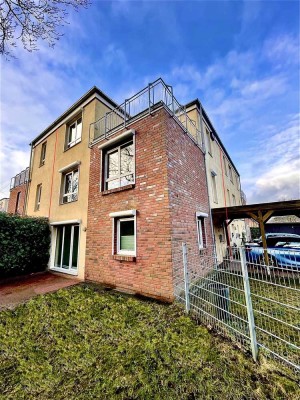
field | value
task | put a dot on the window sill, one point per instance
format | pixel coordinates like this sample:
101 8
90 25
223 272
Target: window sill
68 202
119 189
122 257
71 147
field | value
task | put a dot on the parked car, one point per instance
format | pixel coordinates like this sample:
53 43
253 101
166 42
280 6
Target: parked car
283 250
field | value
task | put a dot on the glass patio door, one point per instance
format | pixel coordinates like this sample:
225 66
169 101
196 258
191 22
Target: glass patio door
66 250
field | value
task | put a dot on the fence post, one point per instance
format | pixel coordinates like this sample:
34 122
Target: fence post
186 278
250 313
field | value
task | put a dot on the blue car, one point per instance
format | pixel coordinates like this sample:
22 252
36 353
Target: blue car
283 251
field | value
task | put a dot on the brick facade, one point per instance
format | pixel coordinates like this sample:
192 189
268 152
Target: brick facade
12 204
170 186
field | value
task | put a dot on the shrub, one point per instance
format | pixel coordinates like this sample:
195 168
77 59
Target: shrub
24 245
255 232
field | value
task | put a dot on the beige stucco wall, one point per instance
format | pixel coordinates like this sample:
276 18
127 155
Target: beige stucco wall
51 179
224 185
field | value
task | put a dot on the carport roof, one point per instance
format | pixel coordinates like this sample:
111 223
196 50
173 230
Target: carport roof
267 210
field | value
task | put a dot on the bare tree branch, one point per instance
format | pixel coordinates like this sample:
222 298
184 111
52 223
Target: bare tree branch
27 21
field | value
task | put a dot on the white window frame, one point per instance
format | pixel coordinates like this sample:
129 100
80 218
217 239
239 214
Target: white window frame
43 154
77 139
70 270
65 195
225 166
209 147
214 187
123 215
200 219
119 176
230 173
233 200
125 252
38 197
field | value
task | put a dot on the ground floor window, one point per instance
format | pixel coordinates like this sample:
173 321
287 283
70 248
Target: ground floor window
125 236
201 229
124 233
66 248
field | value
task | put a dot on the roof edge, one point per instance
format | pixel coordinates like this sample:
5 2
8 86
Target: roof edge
89 93
198 103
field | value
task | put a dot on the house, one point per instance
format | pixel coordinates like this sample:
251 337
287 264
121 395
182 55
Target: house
4 204
124 186
18 193
223 179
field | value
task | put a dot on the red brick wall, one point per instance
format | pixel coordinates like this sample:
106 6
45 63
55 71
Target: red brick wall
188 194
151 273
170 187
13 200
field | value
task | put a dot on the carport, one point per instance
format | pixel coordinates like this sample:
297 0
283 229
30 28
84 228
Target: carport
261 213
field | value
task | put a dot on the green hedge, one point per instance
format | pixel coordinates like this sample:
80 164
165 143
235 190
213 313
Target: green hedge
24 245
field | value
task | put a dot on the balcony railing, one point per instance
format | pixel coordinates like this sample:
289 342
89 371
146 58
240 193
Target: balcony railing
20 178
141 104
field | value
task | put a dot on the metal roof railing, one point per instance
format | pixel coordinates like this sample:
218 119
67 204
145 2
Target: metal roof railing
140 105
20 178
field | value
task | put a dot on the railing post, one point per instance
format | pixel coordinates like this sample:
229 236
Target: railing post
186 278
249 306
125 113
149 97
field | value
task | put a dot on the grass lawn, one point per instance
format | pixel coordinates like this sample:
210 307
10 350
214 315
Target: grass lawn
82 343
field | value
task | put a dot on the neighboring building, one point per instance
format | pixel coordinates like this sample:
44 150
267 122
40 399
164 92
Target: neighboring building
286 224
4 204
18 193
223 178
124 186
59 180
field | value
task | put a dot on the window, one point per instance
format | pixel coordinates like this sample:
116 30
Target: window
66 249
201 230
237 182
17 202
233 200
230 173
38 197
70 186
208 141
214 186
126 236
74 131
228 197
119 166
124 233
43 154
225 166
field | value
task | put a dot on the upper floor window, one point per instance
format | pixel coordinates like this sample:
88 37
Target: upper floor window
214 187
119 166
225 165
70 186
208 141
43 154
237 182
74 133
230 173
38 197
233 200
17 203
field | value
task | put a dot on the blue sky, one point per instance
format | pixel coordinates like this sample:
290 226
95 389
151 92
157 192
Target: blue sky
241 59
